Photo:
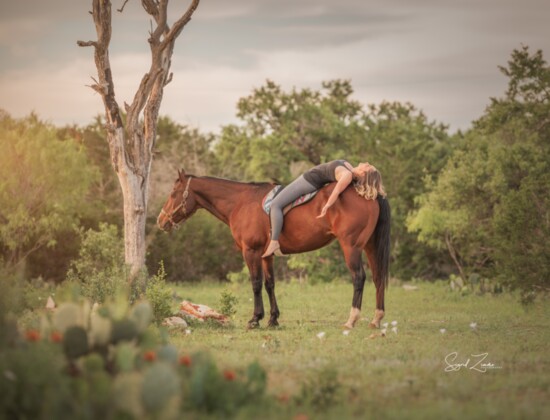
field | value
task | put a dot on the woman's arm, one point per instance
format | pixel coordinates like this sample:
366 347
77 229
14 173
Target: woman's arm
344 179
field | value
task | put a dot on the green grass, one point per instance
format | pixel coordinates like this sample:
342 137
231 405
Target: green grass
399 376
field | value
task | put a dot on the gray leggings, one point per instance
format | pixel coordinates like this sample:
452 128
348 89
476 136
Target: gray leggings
291 192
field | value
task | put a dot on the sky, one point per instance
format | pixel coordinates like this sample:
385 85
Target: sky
442 56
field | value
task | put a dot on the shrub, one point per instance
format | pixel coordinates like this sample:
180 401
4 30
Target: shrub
227 303
99 266
159 295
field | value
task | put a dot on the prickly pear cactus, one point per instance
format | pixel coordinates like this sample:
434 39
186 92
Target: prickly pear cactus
100 330
142 315
124 330
67 315
125 356
160 386
126 394
75 342
168 353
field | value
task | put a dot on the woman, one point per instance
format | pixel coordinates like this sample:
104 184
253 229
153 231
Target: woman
368 183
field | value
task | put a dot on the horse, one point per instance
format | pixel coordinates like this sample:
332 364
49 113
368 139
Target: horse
358 224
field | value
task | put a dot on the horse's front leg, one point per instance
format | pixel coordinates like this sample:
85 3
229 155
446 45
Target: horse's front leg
253 261
269 276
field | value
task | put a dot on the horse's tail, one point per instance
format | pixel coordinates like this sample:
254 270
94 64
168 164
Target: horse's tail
382 241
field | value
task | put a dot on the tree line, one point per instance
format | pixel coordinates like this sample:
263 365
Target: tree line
473 204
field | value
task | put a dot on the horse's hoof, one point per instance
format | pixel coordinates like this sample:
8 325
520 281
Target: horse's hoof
273 323
373 326
253 324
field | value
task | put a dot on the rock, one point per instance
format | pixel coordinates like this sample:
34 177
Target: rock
175 321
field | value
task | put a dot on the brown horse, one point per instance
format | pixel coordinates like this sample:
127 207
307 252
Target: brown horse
358 225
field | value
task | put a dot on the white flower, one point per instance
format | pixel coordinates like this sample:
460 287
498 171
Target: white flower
394 323
394 329
383 331
385 325
473 325
187 331
321 335
346 332
442 330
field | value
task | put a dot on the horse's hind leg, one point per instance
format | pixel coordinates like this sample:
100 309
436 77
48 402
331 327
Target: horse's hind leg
253 258
269 277
353 261
380 288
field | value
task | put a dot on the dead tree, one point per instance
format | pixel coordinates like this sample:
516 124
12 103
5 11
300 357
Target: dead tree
131 143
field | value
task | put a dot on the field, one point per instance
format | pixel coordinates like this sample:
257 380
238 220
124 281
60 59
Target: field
402 375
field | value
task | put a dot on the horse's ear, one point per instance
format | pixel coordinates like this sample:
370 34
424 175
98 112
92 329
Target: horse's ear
181 173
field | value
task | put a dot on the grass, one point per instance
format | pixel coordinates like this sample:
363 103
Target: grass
399 376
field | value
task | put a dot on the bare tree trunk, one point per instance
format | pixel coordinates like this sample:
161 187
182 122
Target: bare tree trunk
454 256
131 144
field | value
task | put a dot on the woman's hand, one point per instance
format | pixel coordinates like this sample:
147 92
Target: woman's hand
323 211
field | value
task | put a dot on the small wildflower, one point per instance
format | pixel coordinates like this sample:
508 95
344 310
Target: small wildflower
442 330
383 331
185 360
283 398
229 375
150 356
321 335
385 325
394 323
56 337
301 417
346 332
473 325
32 335
394 330
188 331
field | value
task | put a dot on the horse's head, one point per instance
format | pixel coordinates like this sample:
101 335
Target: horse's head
181 204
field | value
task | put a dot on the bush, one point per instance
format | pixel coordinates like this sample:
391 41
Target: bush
99 266
159 295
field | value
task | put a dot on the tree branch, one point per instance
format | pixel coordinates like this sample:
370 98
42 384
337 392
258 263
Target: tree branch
177 27
123 6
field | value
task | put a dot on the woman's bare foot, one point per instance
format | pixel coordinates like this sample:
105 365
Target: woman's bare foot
273 248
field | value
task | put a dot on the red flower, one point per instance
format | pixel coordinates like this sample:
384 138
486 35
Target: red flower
229 375
32 335
185 360
56 337
301 417
150 356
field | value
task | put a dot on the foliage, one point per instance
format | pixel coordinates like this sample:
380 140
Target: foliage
319 266
405 146
227 303
322 390
283 129
489 207
111 363
100 263
44 180
159 295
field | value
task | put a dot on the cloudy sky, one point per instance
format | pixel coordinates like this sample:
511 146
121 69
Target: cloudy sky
441 55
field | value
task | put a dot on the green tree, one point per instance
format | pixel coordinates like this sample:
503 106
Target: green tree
406 147
44 182
286 132
490 206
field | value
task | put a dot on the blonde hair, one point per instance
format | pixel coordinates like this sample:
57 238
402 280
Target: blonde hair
369 185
